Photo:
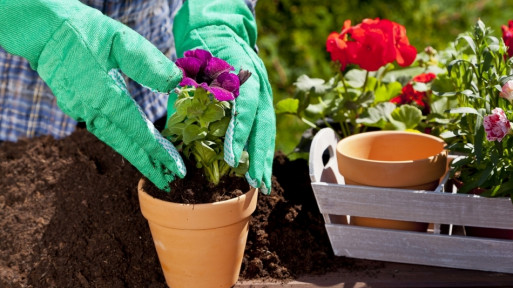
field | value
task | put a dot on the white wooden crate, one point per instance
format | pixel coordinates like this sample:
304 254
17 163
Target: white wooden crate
435 248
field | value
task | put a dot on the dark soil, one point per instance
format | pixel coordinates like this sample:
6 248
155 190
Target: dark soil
69 217
194 188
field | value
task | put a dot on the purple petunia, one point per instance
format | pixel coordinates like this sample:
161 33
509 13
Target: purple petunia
201 69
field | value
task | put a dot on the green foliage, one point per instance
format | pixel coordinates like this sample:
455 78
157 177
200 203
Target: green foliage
292 37
476 71
355 101
198 128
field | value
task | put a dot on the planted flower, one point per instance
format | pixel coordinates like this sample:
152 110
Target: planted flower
203 112
479 74
378 85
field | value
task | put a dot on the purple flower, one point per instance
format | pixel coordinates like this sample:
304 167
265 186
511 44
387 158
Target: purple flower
201 69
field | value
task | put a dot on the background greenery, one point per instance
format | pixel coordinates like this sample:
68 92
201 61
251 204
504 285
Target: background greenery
292 36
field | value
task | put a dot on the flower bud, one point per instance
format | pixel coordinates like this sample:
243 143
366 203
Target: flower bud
507 91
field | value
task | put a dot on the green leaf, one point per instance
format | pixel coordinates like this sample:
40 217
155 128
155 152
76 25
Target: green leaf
406 117
458 63
477 180
213 113
193 132
175 119
199 103
355 78
463 110
176 129
182 104
316 110
469 41
288 105
195 110
447 134
218 128
488 59
395 75
367 97
387 92
203 152
504 189
377 116
478 142
421 87
306 84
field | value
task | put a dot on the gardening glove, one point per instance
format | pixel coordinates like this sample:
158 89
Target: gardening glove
227 29
79 52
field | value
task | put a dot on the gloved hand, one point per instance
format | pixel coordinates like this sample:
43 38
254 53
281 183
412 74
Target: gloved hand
78 52
228 30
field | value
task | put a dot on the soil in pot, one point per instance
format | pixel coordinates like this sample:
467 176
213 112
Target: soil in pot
70 217
195 189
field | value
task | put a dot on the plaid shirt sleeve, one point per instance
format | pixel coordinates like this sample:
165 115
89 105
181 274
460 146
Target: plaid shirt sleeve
29 109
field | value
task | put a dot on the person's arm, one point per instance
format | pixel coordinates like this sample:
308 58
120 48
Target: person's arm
227 29
79 53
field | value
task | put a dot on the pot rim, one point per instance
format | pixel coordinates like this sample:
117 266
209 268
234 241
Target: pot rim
196 216
355 137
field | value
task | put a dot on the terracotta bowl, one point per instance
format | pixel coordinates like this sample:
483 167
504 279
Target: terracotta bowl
394 159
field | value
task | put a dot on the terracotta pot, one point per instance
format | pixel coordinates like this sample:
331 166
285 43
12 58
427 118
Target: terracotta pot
199 245
393 159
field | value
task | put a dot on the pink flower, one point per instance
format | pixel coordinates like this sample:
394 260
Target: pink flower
496 125
507 91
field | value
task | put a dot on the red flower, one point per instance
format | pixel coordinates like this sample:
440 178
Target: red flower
405 53
410 96
337 47
370 48
371 45
507 36
424 77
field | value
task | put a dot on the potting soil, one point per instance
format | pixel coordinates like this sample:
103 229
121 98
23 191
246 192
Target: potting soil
70 217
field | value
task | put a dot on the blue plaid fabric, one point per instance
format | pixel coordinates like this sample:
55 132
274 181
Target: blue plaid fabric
29 109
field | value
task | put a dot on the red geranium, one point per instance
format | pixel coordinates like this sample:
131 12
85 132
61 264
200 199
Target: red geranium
371 45
507 36
336 45
424 77
411 96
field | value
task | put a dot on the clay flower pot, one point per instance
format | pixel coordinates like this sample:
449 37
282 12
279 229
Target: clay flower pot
199 245
392 159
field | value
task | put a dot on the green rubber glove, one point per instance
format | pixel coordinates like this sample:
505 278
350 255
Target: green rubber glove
79 52
228 30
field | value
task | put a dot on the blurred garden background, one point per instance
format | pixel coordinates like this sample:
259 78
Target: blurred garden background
292 36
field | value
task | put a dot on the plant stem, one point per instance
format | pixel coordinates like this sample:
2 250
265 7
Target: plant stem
365 82
212 172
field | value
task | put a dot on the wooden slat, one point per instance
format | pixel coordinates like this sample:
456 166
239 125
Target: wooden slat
334 198
422 248
419 206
